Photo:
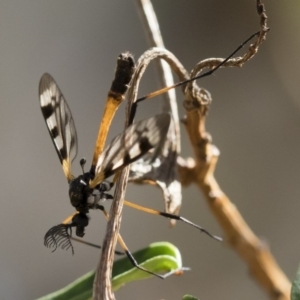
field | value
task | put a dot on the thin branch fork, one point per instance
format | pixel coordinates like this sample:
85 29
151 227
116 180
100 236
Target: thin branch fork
200 171
238 235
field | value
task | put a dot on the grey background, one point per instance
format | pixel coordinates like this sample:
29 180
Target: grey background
254 121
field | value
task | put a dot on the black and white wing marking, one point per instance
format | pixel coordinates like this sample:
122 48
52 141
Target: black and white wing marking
130 145
60 123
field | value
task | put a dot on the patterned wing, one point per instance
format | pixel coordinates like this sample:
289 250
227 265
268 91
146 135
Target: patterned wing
59 122
130 145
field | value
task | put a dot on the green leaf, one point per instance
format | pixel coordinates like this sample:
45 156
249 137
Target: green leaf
189 297
160 257
295 292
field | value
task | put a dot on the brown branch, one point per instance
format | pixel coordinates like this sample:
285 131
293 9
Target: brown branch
237 233
102 281
154 37
200 171
211 63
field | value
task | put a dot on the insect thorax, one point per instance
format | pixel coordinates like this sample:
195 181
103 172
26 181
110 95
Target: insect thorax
84 198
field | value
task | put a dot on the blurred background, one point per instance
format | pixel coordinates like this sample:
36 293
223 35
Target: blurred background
254 121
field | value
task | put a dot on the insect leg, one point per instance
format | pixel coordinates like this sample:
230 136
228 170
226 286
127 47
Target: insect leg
93 245
135 263
69 218
208 73
133 260
170 216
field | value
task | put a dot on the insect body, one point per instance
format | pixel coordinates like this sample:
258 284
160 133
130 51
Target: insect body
88 190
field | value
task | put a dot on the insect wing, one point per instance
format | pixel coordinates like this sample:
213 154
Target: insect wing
60 123
130 145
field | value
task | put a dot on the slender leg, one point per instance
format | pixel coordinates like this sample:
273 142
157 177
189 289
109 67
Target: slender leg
134 262
69 218
170 216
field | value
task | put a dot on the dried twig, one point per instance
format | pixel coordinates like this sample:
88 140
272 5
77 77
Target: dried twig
167 181
261 263
104 269
200 171
102 282
153 34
